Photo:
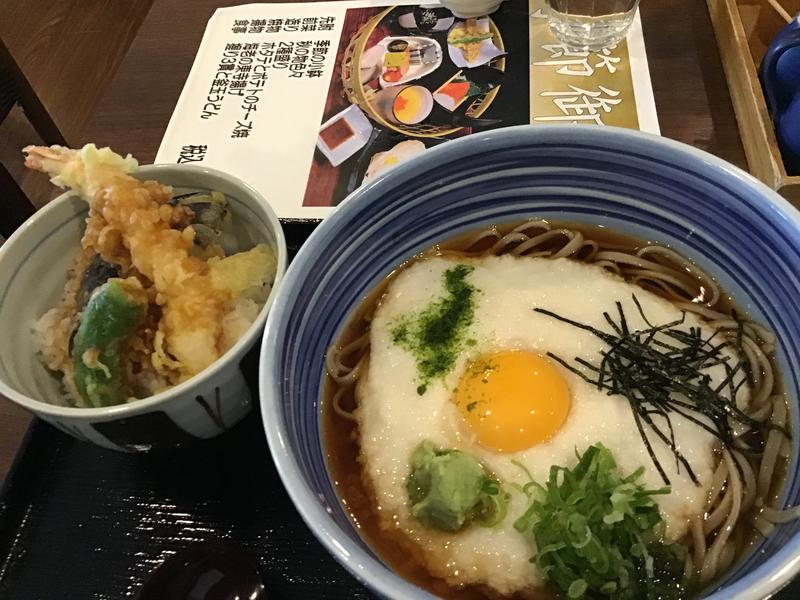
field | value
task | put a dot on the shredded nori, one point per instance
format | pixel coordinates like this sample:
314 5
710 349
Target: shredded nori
659 370
436 335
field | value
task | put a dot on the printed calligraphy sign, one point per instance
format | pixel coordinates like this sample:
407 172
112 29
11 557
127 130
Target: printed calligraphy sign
578 86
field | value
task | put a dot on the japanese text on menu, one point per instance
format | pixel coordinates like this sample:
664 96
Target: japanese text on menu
244 69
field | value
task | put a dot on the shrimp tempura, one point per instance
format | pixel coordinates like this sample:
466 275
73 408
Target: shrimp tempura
131 221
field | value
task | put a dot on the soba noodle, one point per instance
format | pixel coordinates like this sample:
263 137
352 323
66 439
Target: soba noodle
742 485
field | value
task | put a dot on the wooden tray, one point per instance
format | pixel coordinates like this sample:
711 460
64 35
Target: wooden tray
744 28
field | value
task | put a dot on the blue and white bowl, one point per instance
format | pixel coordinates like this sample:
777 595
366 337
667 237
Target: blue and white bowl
646 186
34 263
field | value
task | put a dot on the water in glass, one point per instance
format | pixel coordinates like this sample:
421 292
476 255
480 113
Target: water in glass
590 24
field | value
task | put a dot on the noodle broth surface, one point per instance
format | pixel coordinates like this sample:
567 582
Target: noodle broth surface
341 436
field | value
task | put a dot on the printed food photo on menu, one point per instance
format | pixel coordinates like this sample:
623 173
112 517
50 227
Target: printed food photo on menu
409 78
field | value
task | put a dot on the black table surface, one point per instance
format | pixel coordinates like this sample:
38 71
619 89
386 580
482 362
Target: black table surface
77 521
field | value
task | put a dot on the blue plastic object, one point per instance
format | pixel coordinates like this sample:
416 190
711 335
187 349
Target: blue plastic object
780 78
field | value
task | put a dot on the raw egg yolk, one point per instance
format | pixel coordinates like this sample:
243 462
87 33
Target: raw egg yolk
512 400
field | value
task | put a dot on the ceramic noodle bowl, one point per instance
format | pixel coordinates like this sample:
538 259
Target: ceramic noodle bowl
33 270
637 184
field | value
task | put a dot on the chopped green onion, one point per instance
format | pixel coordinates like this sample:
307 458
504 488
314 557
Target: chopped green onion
598 533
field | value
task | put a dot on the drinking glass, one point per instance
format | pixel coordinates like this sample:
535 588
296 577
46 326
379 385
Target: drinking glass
590 24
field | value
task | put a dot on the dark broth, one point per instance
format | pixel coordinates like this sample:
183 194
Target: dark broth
340 437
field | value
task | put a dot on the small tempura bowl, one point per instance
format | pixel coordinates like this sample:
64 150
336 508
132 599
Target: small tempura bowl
34 263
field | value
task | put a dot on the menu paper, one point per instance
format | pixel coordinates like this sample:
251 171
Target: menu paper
306 102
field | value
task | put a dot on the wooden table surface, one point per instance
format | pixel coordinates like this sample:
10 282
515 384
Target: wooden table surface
691 94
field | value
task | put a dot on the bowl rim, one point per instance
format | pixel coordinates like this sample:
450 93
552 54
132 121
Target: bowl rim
234 352
765 580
